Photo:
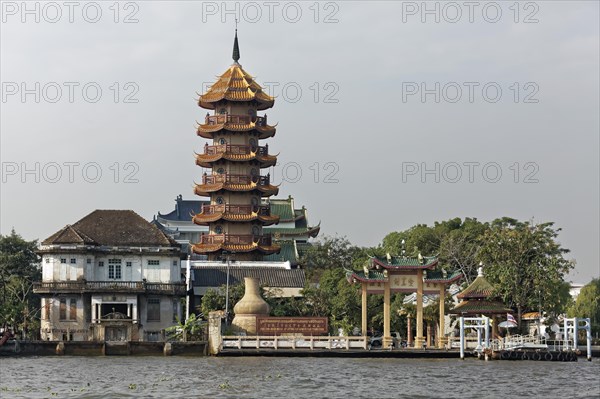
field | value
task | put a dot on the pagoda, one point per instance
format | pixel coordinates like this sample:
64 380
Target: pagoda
235 215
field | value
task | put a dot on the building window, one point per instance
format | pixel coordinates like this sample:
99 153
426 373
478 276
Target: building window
114 269
101 263
153 262
73 261
153 313
222 111
220 201
47 260
63 260
255 230
89 261
219 230
128 264
222 141
175 310
220 171
73 309
174 263
62 314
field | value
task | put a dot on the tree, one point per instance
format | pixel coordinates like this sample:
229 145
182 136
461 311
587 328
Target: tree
526 264
587 304
19 269
216 299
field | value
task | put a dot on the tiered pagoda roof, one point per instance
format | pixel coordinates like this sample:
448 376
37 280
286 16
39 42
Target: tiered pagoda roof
236 123
478 298
235 213
235 183
235 153
235 243
236 85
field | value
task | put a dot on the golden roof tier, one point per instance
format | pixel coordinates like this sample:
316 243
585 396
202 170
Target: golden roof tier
235 153
210 243
235 213
236 123
236 85
238 183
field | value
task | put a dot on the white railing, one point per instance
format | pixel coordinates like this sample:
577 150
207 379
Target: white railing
284 342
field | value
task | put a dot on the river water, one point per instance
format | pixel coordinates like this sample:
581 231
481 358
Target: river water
260 377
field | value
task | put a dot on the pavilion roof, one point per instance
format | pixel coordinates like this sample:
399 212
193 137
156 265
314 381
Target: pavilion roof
479 288
405 262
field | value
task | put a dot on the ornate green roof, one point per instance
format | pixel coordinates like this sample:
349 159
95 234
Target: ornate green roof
282 208
361 276
395 262
437 276
288 253
479 288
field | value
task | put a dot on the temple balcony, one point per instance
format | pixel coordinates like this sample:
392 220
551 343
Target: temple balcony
262 210
235 119
228 178
235 213
235 149
83 286
236 239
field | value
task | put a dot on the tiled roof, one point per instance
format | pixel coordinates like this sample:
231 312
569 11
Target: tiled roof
298 231
288 252
479 288
360 276
236 85
283 208
480 307
268 276
437 276
184 209
205 189
399 262
113 228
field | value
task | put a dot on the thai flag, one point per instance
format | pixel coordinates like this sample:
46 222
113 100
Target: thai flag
510 318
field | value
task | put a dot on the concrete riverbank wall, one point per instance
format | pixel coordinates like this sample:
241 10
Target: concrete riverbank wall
88 348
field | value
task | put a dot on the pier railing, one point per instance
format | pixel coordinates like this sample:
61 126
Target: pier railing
293 343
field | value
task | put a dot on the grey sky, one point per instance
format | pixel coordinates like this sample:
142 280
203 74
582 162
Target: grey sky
356 123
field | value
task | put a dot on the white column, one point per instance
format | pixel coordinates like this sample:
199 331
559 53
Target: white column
94 312
188 278
134 311
462 337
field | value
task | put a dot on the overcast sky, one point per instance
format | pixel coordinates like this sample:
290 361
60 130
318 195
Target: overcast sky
389 114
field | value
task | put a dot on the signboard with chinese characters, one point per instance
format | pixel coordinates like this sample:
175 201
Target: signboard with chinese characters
403 283
291 325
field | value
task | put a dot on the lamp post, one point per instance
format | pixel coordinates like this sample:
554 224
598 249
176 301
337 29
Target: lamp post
227 255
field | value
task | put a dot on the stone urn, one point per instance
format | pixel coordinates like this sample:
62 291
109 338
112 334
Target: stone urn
249 307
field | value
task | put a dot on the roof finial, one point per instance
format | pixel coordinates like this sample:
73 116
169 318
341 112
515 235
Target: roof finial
480 270
236 47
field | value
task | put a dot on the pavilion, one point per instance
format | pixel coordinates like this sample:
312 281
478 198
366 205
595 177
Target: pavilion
403 274
479 299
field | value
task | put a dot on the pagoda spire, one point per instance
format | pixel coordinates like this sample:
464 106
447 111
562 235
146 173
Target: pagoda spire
236 47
